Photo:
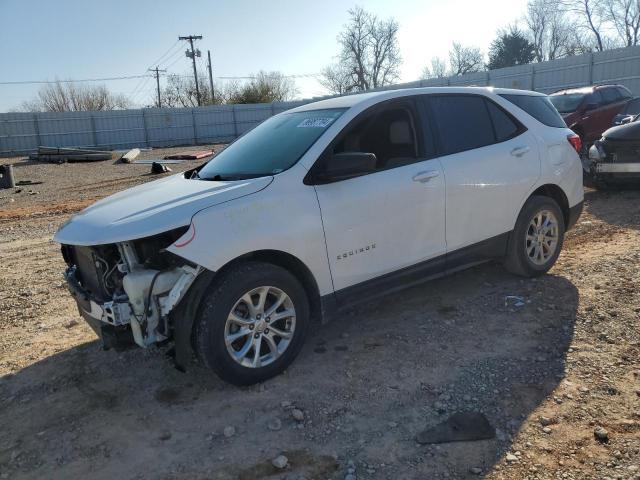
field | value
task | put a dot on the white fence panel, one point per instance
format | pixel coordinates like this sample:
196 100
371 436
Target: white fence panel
161 127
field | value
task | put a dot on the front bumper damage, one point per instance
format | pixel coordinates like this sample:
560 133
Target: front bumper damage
613 160
138 306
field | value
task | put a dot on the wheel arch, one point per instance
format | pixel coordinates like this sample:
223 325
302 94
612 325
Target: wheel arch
556 193
184 314
293 265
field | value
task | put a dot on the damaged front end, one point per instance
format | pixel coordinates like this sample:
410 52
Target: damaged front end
126 291
616 156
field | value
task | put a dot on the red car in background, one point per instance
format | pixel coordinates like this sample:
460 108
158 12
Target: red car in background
589 111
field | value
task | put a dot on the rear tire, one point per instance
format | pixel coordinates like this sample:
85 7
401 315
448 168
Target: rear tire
252 324
536 240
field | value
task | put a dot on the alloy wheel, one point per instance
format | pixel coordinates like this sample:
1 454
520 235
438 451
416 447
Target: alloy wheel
541 238
260 327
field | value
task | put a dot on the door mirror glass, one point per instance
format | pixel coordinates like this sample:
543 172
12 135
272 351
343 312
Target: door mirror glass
341 166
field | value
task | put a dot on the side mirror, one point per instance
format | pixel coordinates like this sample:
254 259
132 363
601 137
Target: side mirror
342 166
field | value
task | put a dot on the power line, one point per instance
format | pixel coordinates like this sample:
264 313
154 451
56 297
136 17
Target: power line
140 86
252 77
159 60
105 79
173 63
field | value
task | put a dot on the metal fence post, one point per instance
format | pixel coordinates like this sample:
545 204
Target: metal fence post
235 122
193 123
94 134
144 126
36 127
533 77
591 68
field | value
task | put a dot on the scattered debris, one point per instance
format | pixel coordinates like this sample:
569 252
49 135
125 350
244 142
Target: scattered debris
6 176
511 458
151 162
280 462
159 168
513 300
460 427
229 431
62 155
130 155
601 435
190 155
297 414
27 182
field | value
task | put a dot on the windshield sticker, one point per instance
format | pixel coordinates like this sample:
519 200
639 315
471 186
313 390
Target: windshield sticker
315 123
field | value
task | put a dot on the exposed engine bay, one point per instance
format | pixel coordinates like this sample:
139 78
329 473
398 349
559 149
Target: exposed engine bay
128 289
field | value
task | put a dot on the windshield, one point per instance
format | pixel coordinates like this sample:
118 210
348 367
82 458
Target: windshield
272 147
567 102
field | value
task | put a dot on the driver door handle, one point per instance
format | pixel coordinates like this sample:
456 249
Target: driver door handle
424 177
520 151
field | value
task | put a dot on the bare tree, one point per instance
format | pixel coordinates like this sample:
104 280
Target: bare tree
264 87
69 97
180 91
465 59
369 56
551 31
624 15
437 69
337 79
590 16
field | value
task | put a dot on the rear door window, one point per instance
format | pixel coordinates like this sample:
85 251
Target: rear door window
596 99
462 122
610 95
624 93
538 107
633 107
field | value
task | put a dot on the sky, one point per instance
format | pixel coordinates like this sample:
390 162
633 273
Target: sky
79 39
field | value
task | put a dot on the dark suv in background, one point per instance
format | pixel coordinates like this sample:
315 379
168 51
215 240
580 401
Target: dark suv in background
589 111
628 113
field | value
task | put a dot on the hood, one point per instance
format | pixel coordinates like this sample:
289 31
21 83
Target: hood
629 132
151 208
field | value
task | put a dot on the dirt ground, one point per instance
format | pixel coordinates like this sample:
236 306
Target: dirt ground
547 371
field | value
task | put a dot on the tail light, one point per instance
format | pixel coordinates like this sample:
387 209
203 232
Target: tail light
575 141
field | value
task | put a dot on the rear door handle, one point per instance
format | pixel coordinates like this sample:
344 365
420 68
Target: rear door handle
520 151
424 177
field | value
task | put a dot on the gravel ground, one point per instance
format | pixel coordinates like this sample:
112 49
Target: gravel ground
557 374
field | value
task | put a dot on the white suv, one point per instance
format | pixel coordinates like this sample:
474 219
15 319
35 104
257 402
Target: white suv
318 208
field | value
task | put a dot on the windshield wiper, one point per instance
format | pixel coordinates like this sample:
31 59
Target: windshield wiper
228 178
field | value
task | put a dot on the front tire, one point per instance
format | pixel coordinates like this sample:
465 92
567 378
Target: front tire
536 240
252 324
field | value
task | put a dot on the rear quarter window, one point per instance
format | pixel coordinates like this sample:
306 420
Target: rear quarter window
539 108
505 127
633 107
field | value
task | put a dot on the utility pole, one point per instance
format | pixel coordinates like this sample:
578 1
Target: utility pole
192 54
157 75
210 75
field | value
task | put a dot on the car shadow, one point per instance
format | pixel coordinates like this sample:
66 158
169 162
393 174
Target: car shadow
617 207
366 384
